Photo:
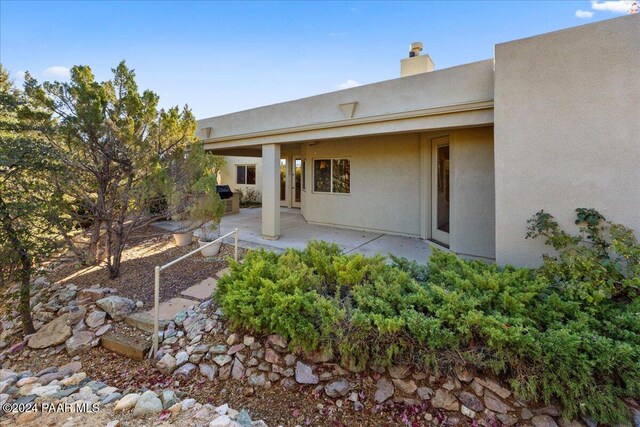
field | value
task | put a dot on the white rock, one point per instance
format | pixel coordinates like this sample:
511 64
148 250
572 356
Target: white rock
181 358
221 421
188 403
45 390
127 402
25 381
74 379
222 409
106 391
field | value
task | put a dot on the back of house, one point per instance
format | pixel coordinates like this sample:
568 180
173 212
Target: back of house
462 156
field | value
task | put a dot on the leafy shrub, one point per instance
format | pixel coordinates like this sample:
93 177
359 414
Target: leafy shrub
249 197
568 331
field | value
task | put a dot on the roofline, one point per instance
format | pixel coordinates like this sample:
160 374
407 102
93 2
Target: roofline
433 111
351 89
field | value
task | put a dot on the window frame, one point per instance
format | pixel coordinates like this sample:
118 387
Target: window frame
304 175
313 175
246 173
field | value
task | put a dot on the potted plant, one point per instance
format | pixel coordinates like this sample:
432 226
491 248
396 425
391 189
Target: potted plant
183 235
208 211
194 202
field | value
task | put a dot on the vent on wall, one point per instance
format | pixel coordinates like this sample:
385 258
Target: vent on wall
206 132
348 109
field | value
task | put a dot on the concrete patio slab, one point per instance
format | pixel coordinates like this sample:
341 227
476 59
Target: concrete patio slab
295 232
202 290
169 309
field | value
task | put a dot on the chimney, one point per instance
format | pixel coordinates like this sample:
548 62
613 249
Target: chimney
415 63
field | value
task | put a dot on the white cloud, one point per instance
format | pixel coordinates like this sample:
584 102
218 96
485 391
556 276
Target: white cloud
20 75
57 71
620 6
348 84
584 13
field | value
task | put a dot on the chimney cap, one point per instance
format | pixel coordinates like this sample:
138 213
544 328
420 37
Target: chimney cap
416 48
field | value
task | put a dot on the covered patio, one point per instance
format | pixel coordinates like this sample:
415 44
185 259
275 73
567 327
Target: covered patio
295 232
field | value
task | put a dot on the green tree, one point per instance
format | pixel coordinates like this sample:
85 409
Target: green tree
27 201
122 156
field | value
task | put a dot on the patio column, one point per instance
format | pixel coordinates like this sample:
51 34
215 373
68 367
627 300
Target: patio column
271 191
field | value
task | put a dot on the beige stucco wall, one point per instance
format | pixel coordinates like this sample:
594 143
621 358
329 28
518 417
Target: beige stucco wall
384 184
391 187
228 172
472 193
567 130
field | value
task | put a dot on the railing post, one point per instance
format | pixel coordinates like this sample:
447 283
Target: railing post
236 245
156 310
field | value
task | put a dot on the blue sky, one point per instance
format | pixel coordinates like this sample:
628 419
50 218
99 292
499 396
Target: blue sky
224 57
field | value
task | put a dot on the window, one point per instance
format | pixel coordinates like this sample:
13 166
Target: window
332 176
304 174
246 174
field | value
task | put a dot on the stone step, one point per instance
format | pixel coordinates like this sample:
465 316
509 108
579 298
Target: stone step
133 348
144 321
202 290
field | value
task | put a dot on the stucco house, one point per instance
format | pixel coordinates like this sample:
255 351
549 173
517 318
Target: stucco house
461 156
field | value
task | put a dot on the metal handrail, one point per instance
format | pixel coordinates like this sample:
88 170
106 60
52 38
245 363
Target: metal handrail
158 269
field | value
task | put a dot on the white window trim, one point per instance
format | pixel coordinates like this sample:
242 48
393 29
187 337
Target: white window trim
313 176
245 173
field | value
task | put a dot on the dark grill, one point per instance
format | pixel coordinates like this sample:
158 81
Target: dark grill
224 191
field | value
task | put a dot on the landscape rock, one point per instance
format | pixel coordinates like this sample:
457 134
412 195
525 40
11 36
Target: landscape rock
209 371
338 388
543 421
103 330
493 403
127 402
222 359
181 358
277 341
443 399
272 357
79 342
494 387
221 421
467 412
425 393
116 307
53 333
185 371
187 404
407 387
96 318
470 401
237 371
384 390
147 404
76 314
304 373
167 364
45 390
257 380
168 398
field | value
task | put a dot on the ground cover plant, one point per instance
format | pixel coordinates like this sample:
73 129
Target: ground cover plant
567 332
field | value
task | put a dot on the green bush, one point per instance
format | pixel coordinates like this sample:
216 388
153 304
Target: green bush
568 332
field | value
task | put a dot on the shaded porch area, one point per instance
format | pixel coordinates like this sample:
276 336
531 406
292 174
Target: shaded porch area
295 232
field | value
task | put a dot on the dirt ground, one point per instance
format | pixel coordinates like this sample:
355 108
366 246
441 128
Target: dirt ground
149 247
